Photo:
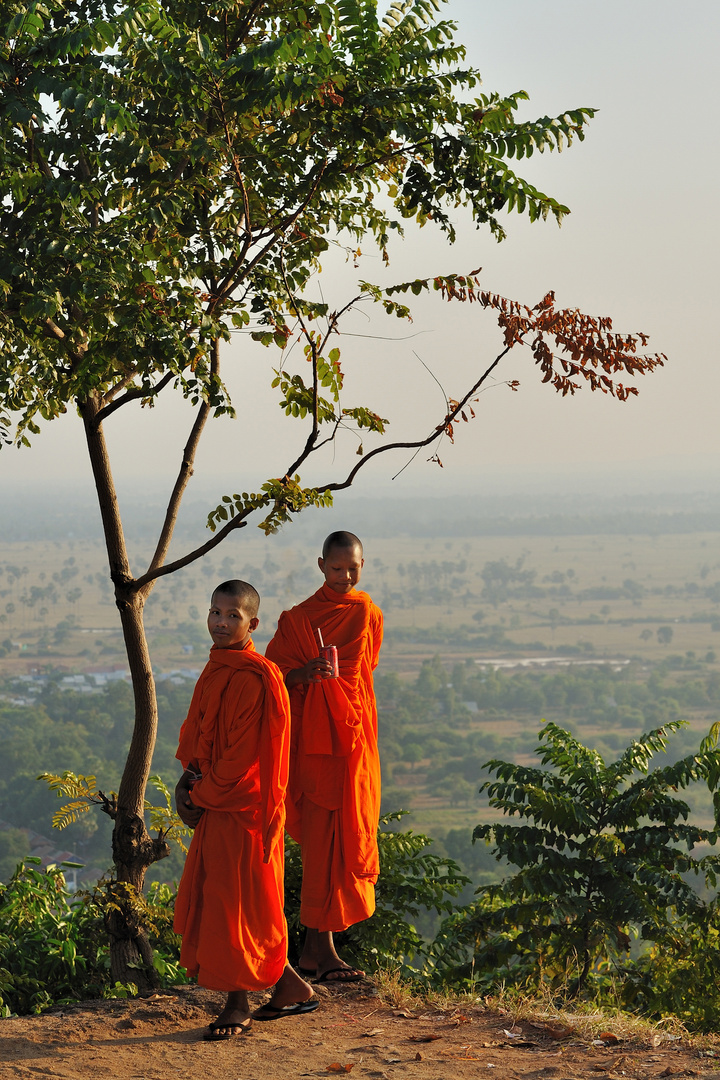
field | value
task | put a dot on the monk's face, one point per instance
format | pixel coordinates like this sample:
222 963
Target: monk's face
342 568
229 624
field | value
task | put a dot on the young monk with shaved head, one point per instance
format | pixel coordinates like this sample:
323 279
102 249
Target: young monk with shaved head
333 803
234 746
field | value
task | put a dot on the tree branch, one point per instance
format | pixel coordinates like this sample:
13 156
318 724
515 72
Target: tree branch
419 443
120 385
246 24
312 444
237 522
133 395
312 437
186 471
231 280
53 330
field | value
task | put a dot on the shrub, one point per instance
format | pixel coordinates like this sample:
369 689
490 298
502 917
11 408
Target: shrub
604 852
413 881
53 947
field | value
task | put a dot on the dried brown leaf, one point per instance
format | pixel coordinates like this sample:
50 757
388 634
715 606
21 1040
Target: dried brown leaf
557 1031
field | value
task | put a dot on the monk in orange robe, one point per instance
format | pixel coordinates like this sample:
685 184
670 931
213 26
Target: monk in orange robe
333 804
234 746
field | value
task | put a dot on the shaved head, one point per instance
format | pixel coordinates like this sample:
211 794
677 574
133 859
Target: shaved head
346 540
246 595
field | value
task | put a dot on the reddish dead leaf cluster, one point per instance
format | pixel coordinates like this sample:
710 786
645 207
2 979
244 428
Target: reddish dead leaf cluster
568 346
566 343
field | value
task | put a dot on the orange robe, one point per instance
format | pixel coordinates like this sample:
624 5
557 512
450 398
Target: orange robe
229 906
333 803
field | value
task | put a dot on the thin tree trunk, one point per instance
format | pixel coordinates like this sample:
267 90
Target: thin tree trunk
134 850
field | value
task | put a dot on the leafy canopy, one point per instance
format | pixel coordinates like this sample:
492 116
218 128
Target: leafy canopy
173 170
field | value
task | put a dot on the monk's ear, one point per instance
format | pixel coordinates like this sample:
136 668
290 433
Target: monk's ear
321 564
254 623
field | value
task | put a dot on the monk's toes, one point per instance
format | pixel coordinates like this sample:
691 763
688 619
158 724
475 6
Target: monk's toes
219 1031
342 974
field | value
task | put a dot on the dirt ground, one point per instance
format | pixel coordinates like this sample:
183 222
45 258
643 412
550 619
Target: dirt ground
353 1031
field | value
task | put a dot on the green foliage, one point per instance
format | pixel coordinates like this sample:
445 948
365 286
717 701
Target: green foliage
172 172
604 851
49 951
681 977
53 948
83 793
413 881
164 818
285 496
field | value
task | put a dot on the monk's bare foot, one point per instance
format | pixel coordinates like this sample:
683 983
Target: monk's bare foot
320 956
291 996
343 973
233 1021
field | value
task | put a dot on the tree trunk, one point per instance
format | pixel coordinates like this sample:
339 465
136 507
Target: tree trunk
134 850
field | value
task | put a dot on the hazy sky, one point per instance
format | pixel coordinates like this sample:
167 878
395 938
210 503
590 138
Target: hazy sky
640 245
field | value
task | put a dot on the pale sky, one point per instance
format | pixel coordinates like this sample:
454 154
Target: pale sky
640 245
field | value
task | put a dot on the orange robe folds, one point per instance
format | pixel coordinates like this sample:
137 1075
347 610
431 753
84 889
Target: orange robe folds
333 803
229 906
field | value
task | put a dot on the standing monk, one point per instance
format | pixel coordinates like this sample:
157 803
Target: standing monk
234 747
333 803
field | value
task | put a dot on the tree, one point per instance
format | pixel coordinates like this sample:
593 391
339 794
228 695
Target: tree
664 634
599 854
172 171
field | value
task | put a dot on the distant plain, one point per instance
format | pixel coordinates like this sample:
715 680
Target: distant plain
549 603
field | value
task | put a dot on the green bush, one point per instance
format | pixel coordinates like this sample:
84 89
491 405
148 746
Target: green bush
53 946
681 977
604 853
412 882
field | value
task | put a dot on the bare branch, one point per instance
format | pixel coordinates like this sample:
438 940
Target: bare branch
237 522
53 330
186 470
312 437
133 395
419 443
119 385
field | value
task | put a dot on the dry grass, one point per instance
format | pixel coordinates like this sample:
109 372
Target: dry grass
585 1020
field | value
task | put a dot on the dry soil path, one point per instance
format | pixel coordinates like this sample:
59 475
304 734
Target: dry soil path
352 1032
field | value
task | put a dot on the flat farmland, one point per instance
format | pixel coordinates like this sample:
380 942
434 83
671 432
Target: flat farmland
494 598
